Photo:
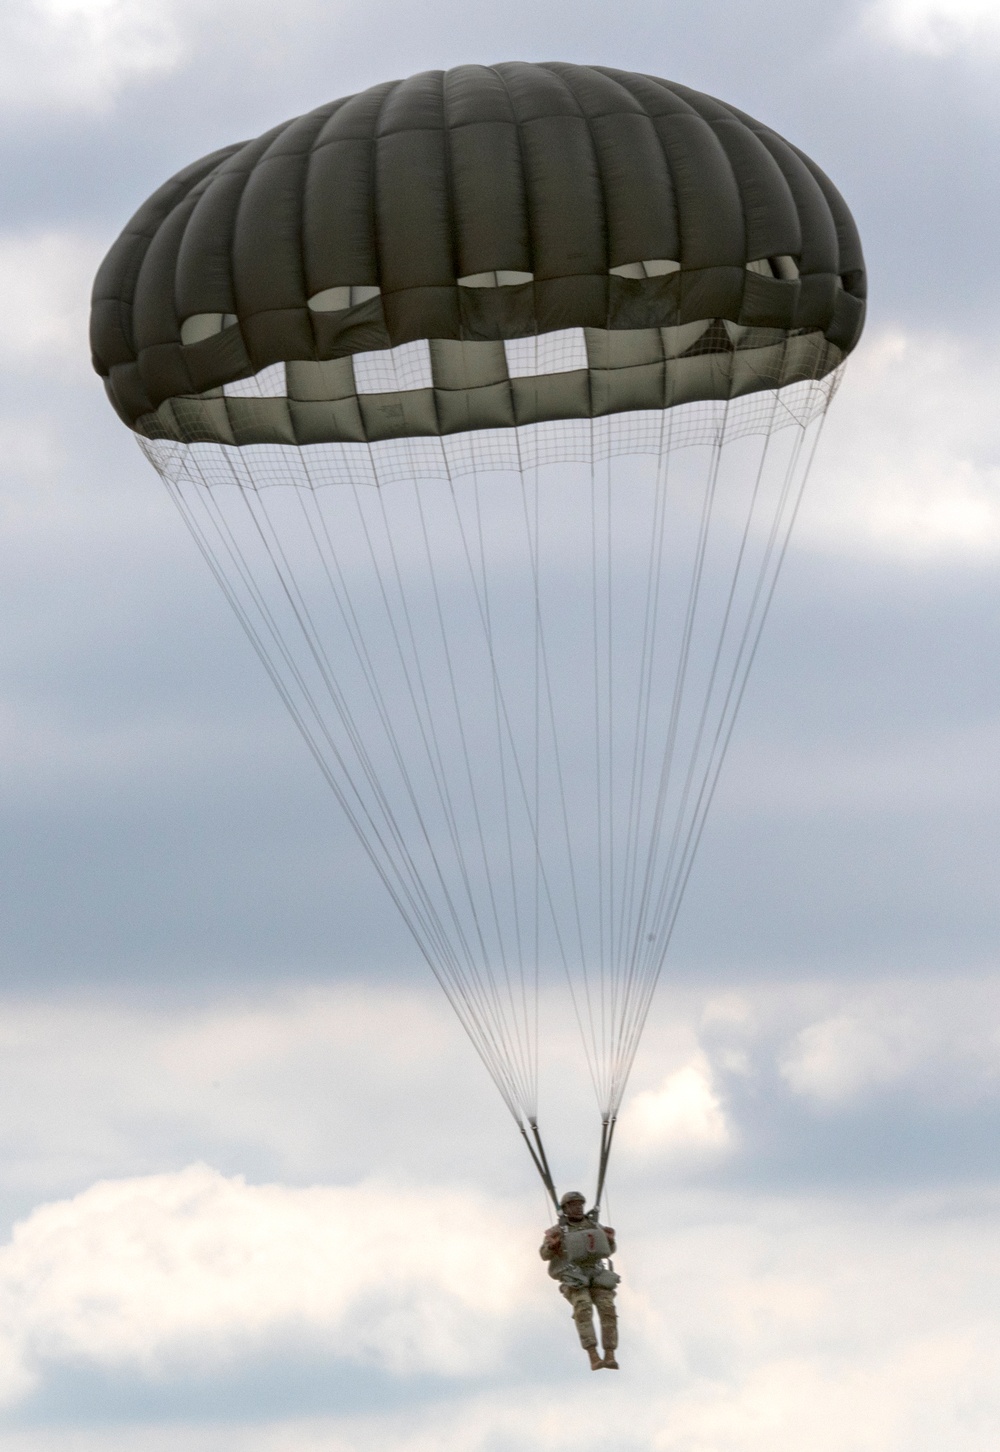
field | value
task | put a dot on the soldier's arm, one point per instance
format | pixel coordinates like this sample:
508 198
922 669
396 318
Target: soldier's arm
609 1232
551 1244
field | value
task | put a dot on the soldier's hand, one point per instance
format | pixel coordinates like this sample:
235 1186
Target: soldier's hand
609 1231
553 1237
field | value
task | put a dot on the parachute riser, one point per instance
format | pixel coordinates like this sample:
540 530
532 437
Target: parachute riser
536 1150
540 1159
607 1135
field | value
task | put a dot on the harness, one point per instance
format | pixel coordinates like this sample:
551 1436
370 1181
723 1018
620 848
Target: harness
582 1256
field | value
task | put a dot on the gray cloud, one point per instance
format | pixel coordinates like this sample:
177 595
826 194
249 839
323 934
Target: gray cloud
198 965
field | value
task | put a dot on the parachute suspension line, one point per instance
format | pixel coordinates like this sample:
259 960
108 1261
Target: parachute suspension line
427 729
720 643
499 713
484 1004
633 970
602 547
373 686
439 936
493 988
606 1023
352 625
320 659
667 879
644 696
753 635
533 523
534 538
668 905
478 1015
397 890
449 825
481 594
767 577
599 802
313 641
506 740
537 1152
424 926
599 795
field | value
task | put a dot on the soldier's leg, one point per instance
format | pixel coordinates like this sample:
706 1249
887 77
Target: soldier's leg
604 1300
580 1299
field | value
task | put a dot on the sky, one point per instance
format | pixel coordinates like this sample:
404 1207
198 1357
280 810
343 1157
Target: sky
257 1193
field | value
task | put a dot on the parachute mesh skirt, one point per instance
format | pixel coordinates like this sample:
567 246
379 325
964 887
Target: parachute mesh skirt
517 656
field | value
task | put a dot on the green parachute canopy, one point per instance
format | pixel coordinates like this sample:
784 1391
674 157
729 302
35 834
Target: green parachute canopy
489 397
466 208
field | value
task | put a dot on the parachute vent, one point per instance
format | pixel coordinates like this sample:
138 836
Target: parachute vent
339 299
562 352
205 325
270 382
785 268
654 267
501 278
394 370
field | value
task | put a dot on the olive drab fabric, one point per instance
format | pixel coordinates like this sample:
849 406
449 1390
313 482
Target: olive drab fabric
585 1242
702 256
579 1257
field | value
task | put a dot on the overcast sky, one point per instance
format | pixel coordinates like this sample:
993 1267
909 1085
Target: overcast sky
257 1192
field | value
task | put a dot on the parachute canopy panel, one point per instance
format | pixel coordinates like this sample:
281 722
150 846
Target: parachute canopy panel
520 243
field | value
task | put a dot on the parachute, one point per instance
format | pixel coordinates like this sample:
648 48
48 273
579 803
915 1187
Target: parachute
489 397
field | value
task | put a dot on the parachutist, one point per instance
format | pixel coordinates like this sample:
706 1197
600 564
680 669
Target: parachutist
328 339
577 1250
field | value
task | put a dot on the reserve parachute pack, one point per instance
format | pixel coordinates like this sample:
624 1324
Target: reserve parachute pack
586 1244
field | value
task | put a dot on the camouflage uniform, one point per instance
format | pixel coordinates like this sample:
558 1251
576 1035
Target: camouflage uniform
578 1264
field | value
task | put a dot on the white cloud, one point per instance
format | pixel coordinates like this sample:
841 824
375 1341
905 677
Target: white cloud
70 54
296 1085
910 464
45 283
749 1324
937 27
168 1271
683 1114
842 1056
937 1041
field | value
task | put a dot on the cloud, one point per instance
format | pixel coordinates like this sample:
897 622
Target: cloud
45 283
254 1082
910 463
168 1271
683 1114
750 1321
750 1324
78 54
936 27
937 1044
840 1057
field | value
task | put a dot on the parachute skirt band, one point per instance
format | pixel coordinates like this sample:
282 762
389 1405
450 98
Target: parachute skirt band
579 373
266 463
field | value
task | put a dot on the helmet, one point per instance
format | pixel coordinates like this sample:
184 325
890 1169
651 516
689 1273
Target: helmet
564 1200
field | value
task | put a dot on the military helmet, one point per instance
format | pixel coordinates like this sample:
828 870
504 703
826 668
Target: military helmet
564 1200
